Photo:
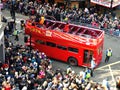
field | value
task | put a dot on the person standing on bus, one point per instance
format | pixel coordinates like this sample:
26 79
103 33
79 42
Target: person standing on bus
66 27
108 55
42 19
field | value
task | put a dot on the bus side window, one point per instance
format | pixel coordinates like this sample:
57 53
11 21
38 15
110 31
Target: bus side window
51 44
40 42
61 47
73 49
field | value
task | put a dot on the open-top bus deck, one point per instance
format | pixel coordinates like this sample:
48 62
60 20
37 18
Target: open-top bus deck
83 41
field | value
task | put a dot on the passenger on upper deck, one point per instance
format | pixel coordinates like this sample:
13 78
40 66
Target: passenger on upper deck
42 19
66 27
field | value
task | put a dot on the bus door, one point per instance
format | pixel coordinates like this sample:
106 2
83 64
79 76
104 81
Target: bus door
87 56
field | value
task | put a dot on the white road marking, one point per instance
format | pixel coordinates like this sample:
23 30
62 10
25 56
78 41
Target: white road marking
108 65
108 70
111 71
113 79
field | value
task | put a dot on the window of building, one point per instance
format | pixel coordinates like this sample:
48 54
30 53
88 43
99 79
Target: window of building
40 42
51 44
61 47
73 49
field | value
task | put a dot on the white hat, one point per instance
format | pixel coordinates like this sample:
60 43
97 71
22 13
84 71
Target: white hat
24 88
43 53
115 17
73 72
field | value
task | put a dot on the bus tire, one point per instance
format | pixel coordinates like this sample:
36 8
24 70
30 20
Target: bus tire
73 61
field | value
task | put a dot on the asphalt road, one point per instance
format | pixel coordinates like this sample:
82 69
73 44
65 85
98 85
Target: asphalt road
109 70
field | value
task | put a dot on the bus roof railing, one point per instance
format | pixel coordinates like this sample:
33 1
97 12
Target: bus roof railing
111 32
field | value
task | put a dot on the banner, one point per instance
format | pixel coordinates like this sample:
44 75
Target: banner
106 3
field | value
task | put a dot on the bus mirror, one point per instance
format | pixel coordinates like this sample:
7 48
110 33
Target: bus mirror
25 39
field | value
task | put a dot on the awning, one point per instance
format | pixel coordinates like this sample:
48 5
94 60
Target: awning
106 3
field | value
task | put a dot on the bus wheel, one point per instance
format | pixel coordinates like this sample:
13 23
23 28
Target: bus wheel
72 61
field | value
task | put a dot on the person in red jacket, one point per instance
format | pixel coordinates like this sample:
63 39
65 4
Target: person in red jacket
66 27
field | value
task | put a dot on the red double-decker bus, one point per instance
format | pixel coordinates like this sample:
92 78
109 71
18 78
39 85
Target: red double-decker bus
76 47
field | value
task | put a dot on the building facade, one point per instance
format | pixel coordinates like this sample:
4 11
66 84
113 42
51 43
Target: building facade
2 47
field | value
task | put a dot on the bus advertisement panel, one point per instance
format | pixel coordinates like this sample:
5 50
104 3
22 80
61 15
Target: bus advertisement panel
107 3
76 47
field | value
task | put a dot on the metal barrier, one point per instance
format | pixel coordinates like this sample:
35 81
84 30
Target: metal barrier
112 32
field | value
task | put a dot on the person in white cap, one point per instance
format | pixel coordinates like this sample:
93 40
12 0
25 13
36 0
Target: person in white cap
24 88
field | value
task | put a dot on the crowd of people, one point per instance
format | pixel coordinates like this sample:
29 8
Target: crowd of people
32 70
85 16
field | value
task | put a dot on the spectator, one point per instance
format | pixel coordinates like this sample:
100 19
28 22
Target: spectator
66 27
88 73
93 65
105 84
4 19
118 83
7 31
16 34
22 24
57 15
108 55
42 19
